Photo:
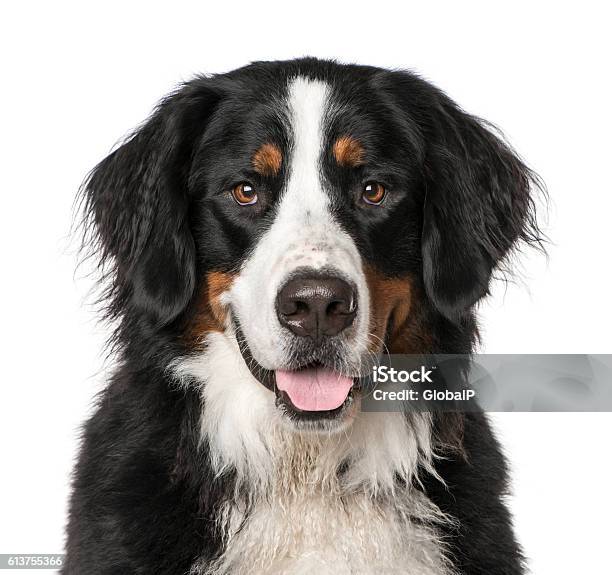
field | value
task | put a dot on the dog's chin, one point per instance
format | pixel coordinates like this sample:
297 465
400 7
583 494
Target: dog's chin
300 412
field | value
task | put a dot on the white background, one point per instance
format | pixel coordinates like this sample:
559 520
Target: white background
77 77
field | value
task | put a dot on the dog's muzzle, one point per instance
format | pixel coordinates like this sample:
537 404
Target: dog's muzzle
316 310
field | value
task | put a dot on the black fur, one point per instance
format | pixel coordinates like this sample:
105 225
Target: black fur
157 216
476 486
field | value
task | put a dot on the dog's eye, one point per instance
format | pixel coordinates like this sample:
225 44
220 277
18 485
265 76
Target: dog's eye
373 193
244 194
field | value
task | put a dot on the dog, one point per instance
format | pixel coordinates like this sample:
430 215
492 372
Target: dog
264 235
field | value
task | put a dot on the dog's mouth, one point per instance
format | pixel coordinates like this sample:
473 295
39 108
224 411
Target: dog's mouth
311 391
314 389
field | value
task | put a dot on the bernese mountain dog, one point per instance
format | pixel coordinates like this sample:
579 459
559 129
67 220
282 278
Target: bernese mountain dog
265 234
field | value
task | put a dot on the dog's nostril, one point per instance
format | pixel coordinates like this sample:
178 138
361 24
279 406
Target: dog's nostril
292 307
340 307
316 306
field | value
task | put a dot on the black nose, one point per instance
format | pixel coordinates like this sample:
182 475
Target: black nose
314 307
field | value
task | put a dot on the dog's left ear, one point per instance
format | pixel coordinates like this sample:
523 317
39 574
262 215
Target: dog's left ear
136 209
478 203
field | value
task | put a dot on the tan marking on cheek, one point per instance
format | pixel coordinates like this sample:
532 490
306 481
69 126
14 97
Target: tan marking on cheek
389 301
348 152
209 314
394 314
267 160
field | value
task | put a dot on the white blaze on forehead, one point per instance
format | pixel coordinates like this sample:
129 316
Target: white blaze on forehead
304 234
305 197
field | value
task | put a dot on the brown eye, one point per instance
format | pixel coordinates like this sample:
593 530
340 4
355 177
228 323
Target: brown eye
373 193
244 194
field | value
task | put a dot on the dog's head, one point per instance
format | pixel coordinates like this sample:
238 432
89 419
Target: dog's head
314 213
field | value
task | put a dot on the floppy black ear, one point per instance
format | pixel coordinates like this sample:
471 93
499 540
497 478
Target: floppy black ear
136 207
478 203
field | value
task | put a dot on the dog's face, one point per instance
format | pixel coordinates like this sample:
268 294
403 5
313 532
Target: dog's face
307 203
313 212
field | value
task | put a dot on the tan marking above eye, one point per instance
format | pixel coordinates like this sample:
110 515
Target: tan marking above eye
267 160
348 152
244 194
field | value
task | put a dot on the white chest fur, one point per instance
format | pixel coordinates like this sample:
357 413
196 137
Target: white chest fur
323 534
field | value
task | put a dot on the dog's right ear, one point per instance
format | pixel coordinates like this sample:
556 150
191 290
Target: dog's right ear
136 209
478 196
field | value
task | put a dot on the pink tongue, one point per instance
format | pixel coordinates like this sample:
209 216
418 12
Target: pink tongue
314 389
